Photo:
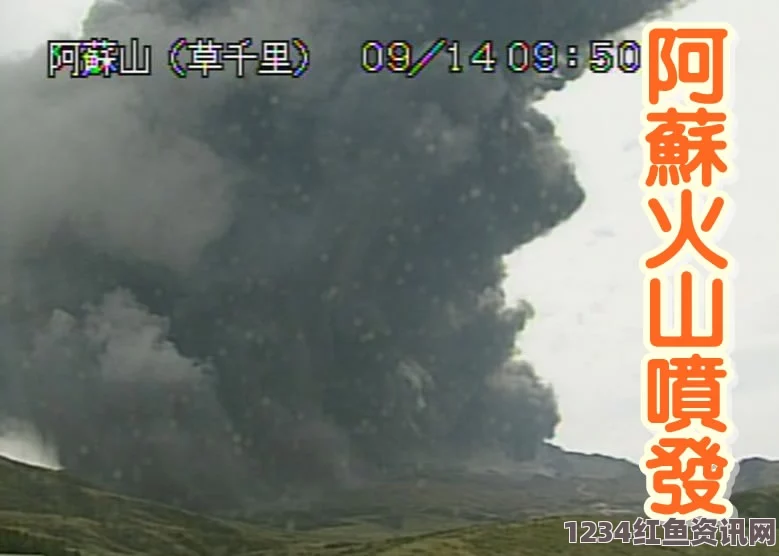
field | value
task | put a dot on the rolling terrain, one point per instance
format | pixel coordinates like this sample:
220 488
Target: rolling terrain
450 513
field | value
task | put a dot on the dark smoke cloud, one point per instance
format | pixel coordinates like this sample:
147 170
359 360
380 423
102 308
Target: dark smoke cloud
209 284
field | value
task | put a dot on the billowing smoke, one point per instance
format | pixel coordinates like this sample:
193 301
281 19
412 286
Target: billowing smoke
217 287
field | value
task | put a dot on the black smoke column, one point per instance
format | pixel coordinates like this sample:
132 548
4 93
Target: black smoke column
214 287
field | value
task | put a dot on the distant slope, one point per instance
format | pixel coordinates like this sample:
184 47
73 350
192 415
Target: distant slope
756 473
50 506
49 511
556 482
434 500
554 461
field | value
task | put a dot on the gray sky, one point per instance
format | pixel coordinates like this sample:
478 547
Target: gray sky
584 278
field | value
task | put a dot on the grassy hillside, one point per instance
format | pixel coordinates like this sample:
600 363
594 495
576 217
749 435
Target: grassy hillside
51 506
537 538
761 502
49 512
426 502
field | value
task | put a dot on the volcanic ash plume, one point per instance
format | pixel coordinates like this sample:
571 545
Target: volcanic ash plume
215 287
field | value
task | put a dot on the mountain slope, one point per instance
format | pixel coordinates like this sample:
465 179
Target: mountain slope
760 502
557 482
536 538
50 505
50 512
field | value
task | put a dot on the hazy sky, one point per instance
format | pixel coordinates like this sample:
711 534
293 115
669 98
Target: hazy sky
584 278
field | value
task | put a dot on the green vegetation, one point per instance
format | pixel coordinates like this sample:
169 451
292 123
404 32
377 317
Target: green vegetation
16 542
51 507
535 538
760 502
49 513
